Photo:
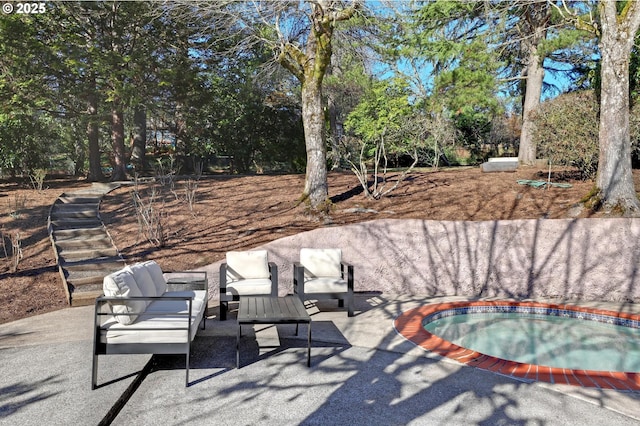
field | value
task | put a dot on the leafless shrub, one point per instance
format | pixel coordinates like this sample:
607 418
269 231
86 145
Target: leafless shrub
16 251
15 255
149 212
198 168
37 179
190 190
166 174
378 188
4 245
191 187
16 204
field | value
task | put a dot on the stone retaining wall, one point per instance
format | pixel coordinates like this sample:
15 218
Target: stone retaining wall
589 259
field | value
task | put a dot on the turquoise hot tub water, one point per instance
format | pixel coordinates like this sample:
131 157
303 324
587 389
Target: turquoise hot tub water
553 338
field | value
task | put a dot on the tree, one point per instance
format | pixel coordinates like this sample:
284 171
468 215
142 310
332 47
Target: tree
521 39
139 137
28 135
451 52
535 22
386 122
616 29
300 35
66 39
468 94
103 57
309 66
93 131
344 87
126 29
615 179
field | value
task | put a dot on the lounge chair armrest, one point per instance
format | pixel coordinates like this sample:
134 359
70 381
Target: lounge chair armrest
223 277
349 278
103 301
203 273
297 266
194 280
150 298
298 279
117 300
273 275
111 299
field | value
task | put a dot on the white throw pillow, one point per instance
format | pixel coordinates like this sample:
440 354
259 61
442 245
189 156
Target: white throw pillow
156 276
246 265
321 262
143 279
123 284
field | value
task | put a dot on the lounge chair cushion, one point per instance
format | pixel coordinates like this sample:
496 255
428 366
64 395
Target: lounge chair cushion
321 262
247 265
171 328
325 285
123 284
156 276
250 287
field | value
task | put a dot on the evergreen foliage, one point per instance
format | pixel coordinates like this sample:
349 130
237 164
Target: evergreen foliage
85 79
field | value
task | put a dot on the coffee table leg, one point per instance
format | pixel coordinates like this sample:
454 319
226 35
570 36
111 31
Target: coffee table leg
309 344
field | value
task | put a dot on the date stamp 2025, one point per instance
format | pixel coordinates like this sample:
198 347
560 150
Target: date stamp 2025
24 8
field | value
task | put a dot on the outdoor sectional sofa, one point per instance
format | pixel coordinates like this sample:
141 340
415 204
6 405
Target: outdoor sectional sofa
146 311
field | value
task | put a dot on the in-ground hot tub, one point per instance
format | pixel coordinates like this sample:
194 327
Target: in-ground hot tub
411 324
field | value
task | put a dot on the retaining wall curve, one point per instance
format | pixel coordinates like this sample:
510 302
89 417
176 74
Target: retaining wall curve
589 259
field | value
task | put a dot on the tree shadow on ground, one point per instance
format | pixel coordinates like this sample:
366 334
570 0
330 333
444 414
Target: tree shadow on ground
19 395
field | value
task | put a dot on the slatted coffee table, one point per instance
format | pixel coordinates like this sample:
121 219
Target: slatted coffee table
272 310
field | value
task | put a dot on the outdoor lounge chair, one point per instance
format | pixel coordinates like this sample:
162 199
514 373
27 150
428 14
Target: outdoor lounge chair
321 274
246 273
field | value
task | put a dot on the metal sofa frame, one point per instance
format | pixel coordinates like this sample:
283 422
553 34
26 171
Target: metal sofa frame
102 310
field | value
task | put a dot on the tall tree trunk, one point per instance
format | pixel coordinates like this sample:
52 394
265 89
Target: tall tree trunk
138 150
310 67
117 140
535 76
93 134
614 180
537 17
316 187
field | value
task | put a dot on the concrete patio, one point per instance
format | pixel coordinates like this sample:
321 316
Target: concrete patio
362 372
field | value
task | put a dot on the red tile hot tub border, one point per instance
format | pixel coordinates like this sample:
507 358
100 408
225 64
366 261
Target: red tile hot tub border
409 325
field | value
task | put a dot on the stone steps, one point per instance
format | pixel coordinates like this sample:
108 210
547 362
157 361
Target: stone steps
90 242
80 213
74 223
88 254
84 249
87 297
94 264
78 234
77 199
